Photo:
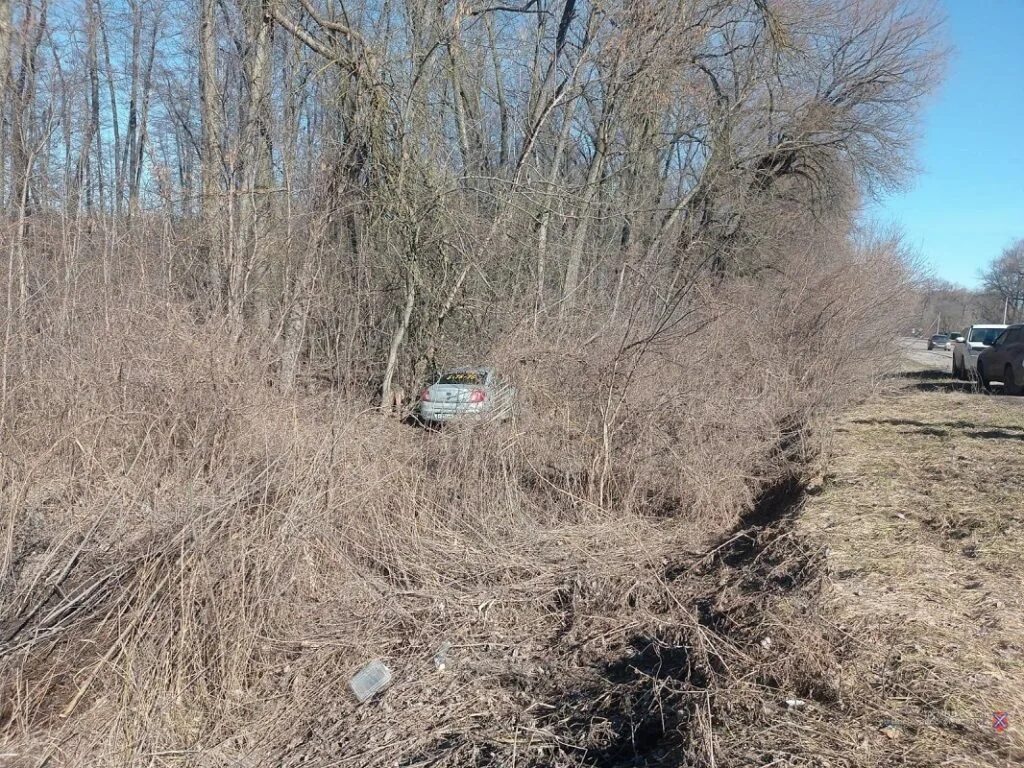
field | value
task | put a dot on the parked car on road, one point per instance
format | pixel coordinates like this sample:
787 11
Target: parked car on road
974 340
467 393
938 341
1004 361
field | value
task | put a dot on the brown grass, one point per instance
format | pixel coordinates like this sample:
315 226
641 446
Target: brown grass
194 563
932 558
904 635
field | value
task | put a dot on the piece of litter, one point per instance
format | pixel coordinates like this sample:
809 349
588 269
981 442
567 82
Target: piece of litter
766 643
441 657
795 703
370 680
891 731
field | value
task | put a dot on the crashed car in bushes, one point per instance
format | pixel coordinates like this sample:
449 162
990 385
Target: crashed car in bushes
467 394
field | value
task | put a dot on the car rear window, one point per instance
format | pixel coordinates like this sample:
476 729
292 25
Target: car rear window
985 335
475 378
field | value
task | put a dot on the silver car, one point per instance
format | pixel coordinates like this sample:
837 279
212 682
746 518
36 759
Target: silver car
467 393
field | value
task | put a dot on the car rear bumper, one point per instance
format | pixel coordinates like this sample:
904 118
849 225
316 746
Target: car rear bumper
440 412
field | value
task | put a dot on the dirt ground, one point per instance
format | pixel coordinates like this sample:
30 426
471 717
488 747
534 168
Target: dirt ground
920 519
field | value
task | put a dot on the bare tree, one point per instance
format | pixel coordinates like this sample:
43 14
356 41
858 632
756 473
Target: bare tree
212 158
637 148
1004 278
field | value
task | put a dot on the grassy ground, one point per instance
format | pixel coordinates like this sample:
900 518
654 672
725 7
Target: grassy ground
870 618
875 620
921 522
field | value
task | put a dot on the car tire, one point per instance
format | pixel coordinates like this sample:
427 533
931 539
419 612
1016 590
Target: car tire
958 371
982 381
1010 385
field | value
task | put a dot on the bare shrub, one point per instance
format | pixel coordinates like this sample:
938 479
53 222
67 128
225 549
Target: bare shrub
194 557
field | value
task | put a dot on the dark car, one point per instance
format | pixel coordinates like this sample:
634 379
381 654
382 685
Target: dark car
938 341
1004 361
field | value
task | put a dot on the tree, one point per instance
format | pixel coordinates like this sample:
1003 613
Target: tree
381 181
1004 277
211 154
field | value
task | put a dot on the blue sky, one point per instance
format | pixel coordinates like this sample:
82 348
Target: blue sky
968 202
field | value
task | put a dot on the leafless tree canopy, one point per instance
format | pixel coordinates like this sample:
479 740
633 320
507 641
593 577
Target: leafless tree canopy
1004 280
364 186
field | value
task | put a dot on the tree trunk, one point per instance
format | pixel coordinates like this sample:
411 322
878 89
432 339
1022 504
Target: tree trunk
132 138
254 206
211 148
397 338
293 333
142 129
571 286
545 216
6 30
115 120
94 102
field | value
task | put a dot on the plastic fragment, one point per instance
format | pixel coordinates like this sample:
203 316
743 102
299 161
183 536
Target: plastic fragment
441 657
370 680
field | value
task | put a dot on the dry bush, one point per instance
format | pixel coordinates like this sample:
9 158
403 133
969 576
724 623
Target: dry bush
195 561
695 421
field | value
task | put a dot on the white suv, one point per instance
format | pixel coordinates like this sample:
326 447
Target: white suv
965 352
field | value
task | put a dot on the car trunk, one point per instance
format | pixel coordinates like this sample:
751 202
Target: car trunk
454 394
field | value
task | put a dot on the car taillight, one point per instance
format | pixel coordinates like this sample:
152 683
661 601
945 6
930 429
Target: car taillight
477 396
425 395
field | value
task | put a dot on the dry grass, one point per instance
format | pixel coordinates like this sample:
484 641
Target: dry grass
912 637
195 563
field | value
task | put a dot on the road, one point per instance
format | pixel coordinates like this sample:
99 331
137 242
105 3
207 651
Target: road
918 353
